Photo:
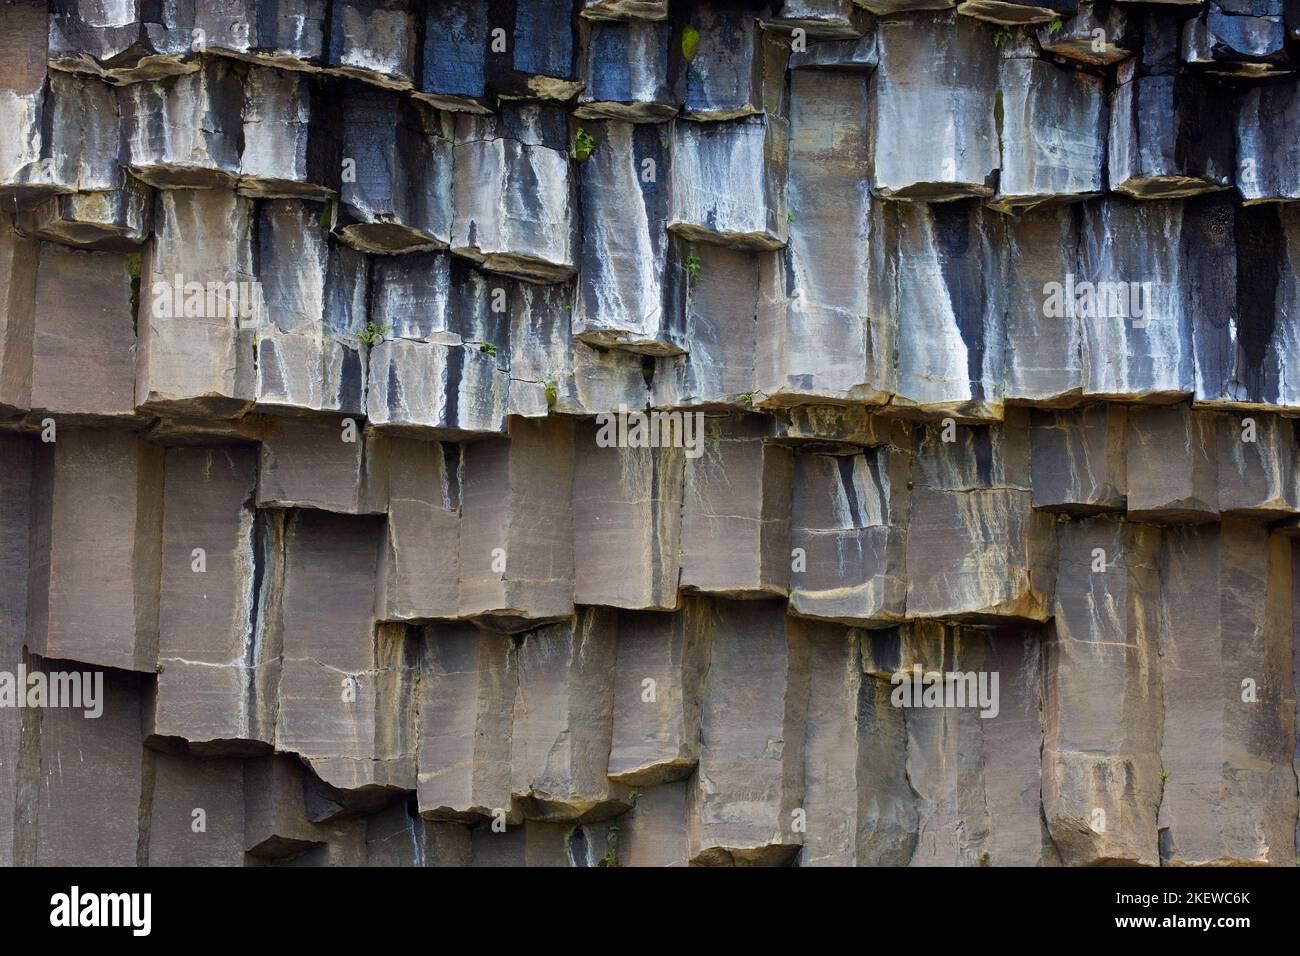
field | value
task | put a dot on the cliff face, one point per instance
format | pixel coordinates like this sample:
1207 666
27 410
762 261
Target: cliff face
606 432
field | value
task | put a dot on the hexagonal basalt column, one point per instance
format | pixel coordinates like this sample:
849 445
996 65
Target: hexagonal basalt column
633 72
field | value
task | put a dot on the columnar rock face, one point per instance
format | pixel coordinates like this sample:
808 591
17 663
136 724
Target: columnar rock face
641 433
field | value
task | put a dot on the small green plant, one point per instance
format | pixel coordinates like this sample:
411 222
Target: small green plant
327 214
552 392
1055 26
373 334
633 794
611 847
584 144
748 398
1001 37
690 42
693 265
789 217
487 347
1164 775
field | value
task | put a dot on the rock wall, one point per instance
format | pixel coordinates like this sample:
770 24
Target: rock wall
326 327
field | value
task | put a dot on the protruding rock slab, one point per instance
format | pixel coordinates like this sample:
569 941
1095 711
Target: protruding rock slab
23 38
115 220
1078 459
629 288
627 518
1268 159
728 181
348 686
943 67
1014 13
1229 737
633 71
454 68
314 295
1172 464
468 682
217 675
742 801
96 552
658 691
199 305
122 43
184 133
322 464
419 566
291 140
826 332
516 539
563 720
849 532
374 41
736 68
512 192
1077 38
396 189
1103 711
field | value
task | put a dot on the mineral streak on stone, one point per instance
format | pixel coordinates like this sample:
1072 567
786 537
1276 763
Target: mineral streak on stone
115 220
1229 734
396 189
287 34
96 604
1014 12
1078 459
19 259
825 328
742 800
736 512
83 350
976 549
216 683
420 564
633 72
512 192
1238 39
1172 467
1167 137
654 832
542 844
564 709
720 331
399 836
198 304
314 292
849 530
737 69
468 680
860 55
183 133
950 309
122 42
1268 157
292 141
1043 346
79 139
24 178
454 69
944 67
1052 125
516 542
627 523
1077 38
1103 712
187 790
1256 466
348 686
1134 299
658 690
629 285
374 41
984 771
829 19
728 181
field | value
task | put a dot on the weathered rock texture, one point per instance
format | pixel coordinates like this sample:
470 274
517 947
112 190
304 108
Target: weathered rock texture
649 433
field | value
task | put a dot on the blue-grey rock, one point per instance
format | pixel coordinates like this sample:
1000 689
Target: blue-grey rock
632 71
